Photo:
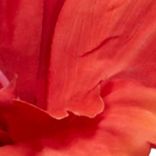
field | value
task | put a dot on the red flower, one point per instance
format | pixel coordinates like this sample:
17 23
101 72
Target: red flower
85 77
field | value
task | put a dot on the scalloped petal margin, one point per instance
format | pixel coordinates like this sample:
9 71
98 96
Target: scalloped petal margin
125 128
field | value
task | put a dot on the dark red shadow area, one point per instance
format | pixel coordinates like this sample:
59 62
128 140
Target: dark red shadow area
67 131
29 124
51 10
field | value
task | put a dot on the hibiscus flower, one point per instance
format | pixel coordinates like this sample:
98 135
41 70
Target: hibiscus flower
77 77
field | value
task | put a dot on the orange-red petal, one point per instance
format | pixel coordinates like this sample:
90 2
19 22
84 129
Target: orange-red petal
93 41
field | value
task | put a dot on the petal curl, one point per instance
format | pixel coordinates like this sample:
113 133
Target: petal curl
125 128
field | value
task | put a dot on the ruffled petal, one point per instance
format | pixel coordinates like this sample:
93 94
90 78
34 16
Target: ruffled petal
125 128
93 41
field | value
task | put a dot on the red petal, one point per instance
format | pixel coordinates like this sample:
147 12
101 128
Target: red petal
127 127
20 34
26 31
93 41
